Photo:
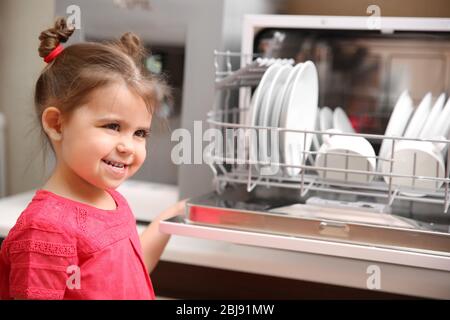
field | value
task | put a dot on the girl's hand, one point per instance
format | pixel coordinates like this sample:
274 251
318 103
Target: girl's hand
153 241
177 209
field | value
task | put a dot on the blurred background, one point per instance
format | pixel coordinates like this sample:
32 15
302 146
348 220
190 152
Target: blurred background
181 34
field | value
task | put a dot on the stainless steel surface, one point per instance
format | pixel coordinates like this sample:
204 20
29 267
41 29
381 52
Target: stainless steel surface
324 261
236 209
182 227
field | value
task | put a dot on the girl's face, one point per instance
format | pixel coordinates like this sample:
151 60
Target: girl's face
104 141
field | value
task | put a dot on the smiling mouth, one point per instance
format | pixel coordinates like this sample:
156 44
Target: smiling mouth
115 164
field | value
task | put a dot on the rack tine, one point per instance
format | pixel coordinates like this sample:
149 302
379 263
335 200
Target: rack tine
308 187
436 183
228 60
216 64
303 163
446 194
249 178
346 166
414 170
391 165
391 200
368 169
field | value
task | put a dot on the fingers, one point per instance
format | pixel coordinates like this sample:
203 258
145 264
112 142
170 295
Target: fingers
181 205
176 210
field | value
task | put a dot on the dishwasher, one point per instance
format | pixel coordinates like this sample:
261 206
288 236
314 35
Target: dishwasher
395 216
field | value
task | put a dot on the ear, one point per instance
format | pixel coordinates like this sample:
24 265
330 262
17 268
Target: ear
51 122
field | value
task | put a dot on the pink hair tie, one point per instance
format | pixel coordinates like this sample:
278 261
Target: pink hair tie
54 53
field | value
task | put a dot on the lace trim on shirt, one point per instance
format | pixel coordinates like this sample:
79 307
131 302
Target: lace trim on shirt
81 218
48 248
36 293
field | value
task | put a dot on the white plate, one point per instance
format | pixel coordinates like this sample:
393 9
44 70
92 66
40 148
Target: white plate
442 126
281 98
341 121
280 101
334 213
397 123
255 106
260 91
325 121
268 104
273 91
419 117
299 113
428 129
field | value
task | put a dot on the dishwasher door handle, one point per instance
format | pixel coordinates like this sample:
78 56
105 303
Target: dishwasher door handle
334 229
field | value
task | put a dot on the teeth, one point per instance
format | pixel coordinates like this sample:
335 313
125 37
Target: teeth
114 164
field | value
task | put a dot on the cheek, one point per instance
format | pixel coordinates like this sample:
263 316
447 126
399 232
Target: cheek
85 148
140 154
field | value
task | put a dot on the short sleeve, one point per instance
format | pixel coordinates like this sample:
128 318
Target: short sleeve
39 258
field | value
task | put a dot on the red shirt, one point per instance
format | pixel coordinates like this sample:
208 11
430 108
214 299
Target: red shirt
64 249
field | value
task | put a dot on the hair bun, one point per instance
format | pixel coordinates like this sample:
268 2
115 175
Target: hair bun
132 45
52 37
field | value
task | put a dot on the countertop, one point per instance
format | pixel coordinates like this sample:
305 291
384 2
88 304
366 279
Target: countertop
148 199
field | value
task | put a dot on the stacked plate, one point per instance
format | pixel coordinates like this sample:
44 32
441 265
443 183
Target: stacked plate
286 98
415 158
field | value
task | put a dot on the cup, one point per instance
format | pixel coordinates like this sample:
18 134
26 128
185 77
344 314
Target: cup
416 159
346 153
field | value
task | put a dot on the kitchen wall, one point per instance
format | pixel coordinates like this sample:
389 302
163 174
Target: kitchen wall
20 24
389 8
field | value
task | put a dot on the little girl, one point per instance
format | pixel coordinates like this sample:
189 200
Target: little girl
77 239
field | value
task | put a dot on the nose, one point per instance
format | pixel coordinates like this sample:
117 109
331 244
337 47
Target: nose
125 146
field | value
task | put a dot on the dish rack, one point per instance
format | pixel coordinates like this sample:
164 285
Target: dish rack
234 87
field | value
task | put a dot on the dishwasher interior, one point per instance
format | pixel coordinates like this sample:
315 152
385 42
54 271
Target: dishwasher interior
405 216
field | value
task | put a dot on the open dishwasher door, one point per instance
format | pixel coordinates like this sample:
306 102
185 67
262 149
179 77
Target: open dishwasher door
412 252
257 219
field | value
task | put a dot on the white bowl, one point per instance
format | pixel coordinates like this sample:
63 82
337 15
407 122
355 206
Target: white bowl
418 159
348 153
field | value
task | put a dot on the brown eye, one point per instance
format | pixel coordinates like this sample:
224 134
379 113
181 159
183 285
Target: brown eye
142 133
112 126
